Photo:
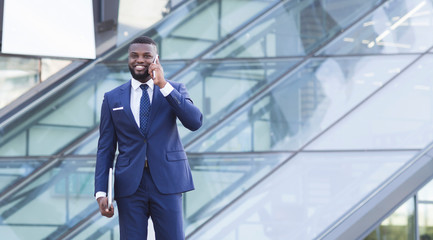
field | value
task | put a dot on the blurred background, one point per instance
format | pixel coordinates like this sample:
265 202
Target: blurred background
318 114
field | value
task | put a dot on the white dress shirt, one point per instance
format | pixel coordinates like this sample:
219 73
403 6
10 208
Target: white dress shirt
136 94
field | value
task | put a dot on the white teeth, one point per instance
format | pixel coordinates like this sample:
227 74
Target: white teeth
139 67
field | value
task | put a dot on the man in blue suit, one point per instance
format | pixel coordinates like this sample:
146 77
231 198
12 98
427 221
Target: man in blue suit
152 170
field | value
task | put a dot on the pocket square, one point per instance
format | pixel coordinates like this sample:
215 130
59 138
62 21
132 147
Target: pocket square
118 108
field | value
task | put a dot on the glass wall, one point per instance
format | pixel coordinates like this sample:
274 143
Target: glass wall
302 119
19 74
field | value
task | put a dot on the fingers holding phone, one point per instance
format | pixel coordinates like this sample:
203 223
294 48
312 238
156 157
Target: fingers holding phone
157 73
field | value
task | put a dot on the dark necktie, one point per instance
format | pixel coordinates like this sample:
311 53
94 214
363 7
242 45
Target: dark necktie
144 108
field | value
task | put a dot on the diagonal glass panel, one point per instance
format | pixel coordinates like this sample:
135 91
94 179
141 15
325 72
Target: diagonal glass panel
295 29
305 103
304 196
200 25
219 179
221 86
61 196
397 117
396 27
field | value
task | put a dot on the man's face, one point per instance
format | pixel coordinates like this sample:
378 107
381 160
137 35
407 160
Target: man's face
140 57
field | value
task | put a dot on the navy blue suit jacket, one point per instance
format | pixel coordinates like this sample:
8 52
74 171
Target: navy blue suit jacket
162 147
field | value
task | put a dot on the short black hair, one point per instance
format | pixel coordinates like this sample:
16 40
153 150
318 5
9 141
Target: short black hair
144 40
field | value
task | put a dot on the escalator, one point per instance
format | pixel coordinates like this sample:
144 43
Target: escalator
279 94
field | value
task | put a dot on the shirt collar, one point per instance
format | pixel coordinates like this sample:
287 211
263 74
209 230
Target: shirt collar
136 84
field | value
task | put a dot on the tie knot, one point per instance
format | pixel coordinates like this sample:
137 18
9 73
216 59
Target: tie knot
144 87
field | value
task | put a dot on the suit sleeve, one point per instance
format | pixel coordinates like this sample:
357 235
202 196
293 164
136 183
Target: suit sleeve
188 114
106 148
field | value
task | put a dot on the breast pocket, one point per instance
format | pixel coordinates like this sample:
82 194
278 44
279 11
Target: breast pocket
119 116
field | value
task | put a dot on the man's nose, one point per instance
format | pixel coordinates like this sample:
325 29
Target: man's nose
140 59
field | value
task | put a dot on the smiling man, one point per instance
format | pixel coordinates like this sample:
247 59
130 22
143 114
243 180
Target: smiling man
152 170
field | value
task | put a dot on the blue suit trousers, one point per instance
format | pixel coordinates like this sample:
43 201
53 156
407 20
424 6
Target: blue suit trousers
164 209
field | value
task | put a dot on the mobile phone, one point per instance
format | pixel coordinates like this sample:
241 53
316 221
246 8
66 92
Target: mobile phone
153 72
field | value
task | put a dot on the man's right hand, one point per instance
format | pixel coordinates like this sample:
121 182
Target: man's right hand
103 207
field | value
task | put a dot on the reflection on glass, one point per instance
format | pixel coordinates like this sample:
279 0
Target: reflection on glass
304 196
190 32
308 101
399 26
295 29
218 88
219 180
57 199
17 75
399 226
397 117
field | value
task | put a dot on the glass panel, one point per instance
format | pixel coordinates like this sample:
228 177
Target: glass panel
295 29
425 220
12 170
399 226
20 74
61 196
17 75
221 179
304 196
425 212
395 27
15 147
188 33
400 116
426 193
102 228
218 88
308 101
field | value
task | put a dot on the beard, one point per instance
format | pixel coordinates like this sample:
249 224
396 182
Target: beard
139 77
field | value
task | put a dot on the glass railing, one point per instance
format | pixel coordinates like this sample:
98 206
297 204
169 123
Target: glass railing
305 103
398 27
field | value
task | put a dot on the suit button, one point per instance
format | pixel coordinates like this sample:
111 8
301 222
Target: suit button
145 141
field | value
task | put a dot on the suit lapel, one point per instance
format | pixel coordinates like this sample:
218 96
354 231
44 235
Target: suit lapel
125 99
